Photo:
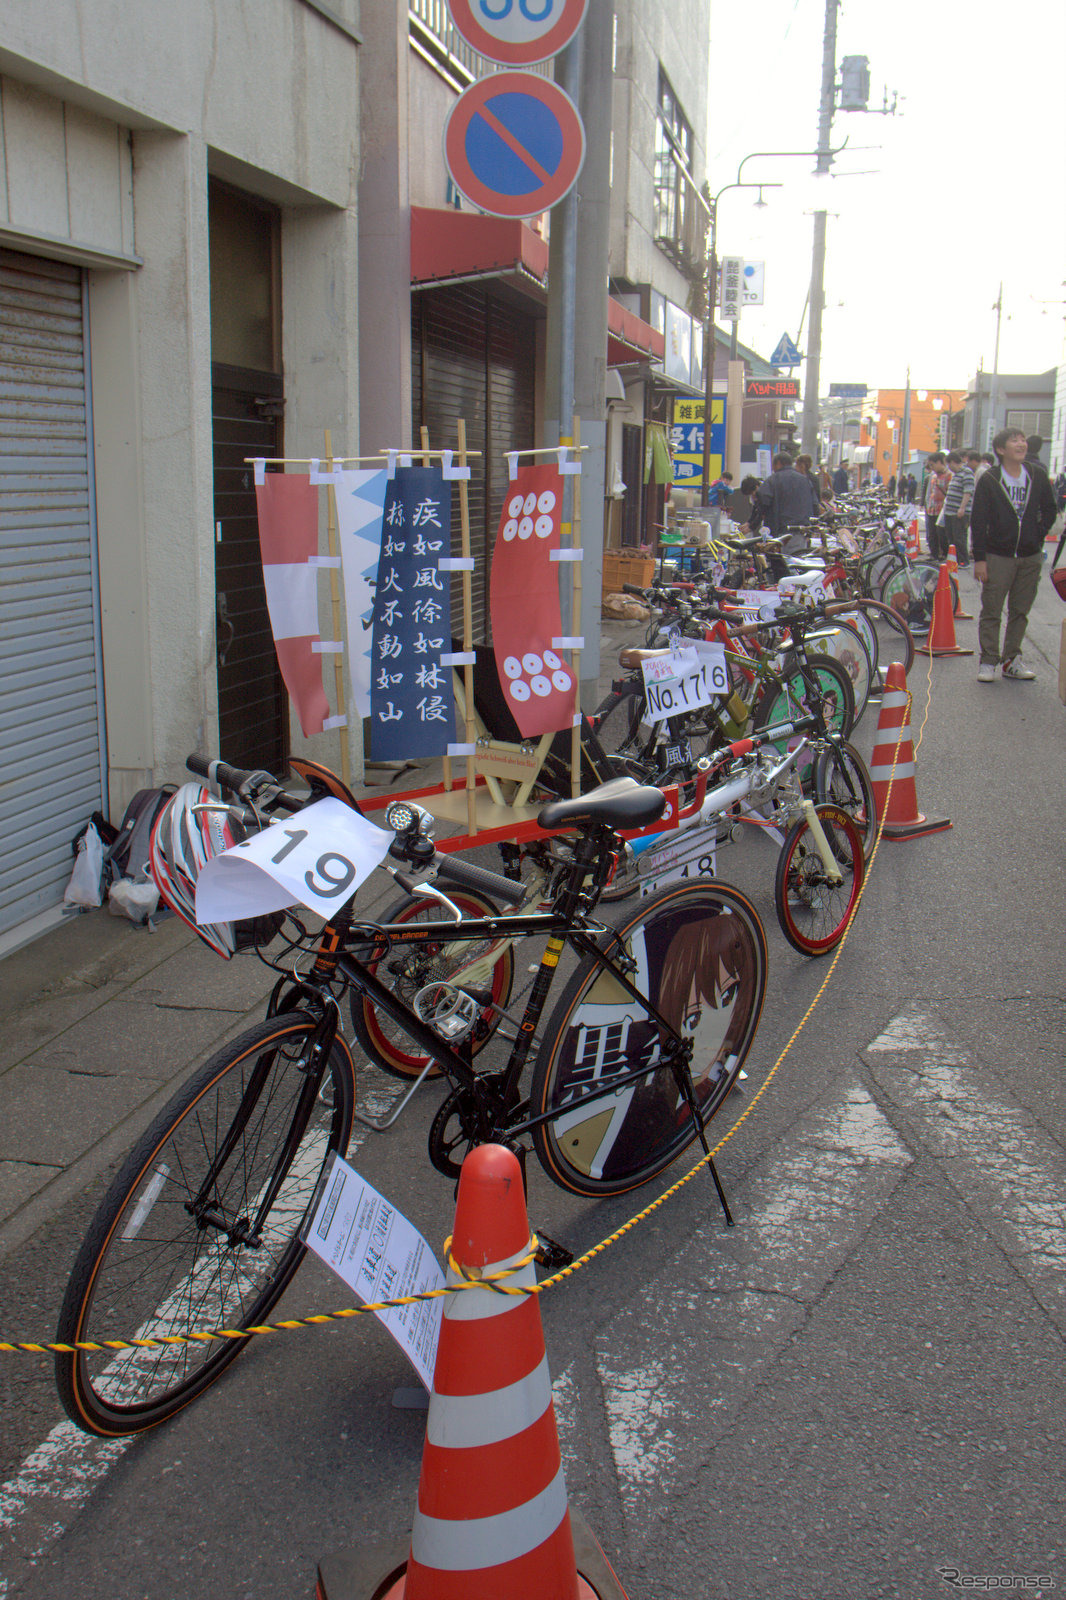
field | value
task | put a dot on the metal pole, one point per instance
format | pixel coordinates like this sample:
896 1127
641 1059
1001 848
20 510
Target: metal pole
708 351
994 396
905 430
827 105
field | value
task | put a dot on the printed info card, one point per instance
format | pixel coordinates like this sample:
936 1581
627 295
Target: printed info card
380 1256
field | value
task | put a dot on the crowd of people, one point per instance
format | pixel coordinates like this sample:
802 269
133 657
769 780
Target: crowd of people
999 505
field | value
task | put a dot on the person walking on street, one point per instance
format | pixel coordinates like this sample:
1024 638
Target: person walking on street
935 489
825 485
840 480
1013 510
957 506
804 465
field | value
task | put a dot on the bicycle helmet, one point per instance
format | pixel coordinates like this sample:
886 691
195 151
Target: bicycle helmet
192 828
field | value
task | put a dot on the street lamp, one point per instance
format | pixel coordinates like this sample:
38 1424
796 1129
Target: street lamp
712 302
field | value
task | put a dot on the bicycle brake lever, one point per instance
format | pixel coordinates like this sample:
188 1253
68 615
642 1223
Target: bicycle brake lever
409 886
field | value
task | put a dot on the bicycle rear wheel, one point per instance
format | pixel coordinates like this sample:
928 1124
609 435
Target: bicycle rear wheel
895 642
812 911
845 645
409 968
169 1251
700 958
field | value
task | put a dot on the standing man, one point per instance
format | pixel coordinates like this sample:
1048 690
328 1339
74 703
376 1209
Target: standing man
717 498
936 487
840 480
783 502
957 506
1013 509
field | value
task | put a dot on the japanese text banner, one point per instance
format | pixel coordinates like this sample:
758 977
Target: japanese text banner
287 505
537 683
360 499
412 708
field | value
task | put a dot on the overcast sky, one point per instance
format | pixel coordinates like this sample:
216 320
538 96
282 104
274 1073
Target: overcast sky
965 190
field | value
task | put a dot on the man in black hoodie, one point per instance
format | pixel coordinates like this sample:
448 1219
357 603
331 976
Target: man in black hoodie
1013 509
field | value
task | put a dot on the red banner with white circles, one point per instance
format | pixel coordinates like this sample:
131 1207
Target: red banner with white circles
536 677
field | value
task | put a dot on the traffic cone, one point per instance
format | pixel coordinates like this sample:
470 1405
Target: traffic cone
953 560
941 641
903 820
492 1520
913 543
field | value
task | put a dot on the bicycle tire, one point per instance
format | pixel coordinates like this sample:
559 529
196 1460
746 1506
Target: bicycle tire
895 642
811 911
775 704
148 1269
846 646
842 778
687 935
414 966
926 575
616 722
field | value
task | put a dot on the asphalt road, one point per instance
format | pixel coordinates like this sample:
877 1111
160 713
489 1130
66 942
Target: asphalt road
855 1392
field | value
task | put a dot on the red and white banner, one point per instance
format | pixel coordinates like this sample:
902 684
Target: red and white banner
536 679
288 539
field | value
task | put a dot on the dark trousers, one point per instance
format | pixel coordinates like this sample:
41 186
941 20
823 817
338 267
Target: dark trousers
954 532
934 537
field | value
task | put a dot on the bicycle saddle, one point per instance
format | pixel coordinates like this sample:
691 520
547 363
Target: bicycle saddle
621 803
633 655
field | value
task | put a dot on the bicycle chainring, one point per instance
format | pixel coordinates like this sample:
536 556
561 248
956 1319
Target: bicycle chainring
457 1127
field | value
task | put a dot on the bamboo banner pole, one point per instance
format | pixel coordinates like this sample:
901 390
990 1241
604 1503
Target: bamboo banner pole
468 632
575 620
351 461
335 597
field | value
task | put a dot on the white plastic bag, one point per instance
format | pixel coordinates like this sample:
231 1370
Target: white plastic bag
128 898
84 886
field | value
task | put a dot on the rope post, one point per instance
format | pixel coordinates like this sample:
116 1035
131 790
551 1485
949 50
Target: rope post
335 598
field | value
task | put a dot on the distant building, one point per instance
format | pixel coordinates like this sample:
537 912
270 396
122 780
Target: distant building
1009 400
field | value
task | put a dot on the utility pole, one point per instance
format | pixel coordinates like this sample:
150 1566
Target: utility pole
994 396
905 430
827 105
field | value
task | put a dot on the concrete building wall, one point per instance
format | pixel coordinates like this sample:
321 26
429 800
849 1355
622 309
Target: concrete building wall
115 112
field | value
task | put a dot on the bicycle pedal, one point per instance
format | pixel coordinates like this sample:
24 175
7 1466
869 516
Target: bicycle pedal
552 1256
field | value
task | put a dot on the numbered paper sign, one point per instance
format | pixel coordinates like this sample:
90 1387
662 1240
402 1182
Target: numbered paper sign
317 859
518 32
380 1256
699 676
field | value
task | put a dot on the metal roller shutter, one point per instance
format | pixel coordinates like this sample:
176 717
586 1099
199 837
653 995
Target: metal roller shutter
51 720
473 356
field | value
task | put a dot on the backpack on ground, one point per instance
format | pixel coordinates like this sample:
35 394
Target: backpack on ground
128 855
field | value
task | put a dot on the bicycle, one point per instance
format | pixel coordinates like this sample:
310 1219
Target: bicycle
202 1224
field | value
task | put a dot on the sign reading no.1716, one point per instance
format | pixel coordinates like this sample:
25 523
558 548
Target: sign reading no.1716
518 32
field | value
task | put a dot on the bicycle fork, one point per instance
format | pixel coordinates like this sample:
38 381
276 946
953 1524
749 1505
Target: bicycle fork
821 843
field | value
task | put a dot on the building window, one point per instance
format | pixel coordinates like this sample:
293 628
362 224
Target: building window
1030 422
675 192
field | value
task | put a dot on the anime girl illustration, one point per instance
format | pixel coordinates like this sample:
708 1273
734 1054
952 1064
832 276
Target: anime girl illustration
699 971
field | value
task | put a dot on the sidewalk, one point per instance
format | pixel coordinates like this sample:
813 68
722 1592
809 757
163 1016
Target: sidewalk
100 1021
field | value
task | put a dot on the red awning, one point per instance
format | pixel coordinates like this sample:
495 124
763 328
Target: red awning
455 246
630 338
447 246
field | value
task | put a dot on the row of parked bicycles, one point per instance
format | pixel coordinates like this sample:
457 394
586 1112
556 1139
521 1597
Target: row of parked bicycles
605 1071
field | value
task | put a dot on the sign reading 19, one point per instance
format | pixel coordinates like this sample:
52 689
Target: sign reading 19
335 883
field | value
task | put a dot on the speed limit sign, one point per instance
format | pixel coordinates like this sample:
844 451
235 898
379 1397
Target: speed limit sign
518 32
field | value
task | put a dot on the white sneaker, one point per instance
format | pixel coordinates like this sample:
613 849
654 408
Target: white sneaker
986 672
1016 668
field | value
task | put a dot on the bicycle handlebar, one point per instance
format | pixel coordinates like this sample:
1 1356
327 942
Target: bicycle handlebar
471 877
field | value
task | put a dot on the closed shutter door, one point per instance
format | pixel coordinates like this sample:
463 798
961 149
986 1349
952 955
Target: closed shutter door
51 725
474 357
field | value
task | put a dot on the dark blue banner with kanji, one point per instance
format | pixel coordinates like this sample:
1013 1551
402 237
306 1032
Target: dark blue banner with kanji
411 702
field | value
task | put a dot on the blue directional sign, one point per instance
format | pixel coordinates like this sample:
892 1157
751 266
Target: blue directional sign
786 354
847 391
514 144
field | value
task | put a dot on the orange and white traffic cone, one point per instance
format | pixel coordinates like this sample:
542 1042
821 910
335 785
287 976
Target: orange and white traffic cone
492 1520
952 560
903 820
913 543
953 568
941 641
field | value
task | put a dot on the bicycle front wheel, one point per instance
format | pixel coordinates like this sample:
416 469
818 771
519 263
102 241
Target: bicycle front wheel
842 778
699 954
895 642
173 1247
811 909
845 645
779 703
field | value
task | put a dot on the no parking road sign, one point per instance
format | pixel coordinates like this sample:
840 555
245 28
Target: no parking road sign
514 144
518 32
